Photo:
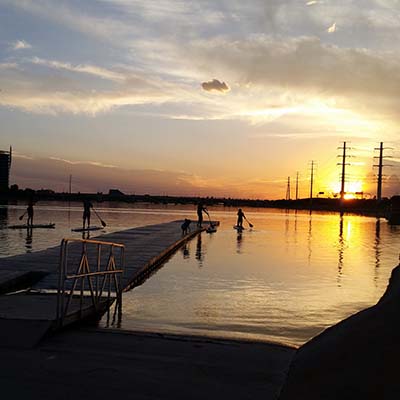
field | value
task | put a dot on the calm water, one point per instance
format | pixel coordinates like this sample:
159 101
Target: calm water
285 280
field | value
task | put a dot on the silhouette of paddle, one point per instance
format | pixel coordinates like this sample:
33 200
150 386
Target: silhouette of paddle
22 216
98 216
250 225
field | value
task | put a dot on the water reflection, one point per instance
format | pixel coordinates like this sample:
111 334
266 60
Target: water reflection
293 278
185 251
29 240
341 245
309 238
377 248
199 251
86 235
239 242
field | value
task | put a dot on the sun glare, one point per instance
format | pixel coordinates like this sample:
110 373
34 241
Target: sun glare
352 189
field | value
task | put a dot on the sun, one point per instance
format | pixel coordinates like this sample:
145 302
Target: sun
352 189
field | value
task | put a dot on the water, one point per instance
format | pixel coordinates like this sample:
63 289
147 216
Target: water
285 280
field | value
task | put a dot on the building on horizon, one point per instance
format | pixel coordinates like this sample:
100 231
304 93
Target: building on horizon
5 165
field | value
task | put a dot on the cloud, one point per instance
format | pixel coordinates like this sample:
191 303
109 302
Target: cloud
296 71
81 68
312 2
332 28
20 45
216 85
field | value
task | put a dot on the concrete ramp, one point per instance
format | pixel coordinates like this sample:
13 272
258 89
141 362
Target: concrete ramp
18 333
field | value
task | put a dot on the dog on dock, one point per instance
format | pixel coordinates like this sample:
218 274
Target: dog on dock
186 226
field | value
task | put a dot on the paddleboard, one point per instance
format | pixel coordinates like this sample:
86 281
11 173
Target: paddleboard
25 226
92 228
211 229
239 228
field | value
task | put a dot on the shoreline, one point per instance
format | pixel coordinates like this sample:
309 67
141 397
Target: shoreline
364 207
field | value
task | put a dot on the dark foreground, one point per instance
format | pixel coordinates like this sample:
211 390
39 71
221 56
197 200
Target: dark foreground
100 364
358 358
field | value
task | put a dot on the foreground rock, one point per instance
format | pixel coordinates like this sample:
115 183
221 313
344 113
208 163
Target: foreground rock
358 358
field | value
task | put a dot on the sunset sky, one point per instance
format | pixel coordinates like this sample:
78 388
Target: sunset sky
207 97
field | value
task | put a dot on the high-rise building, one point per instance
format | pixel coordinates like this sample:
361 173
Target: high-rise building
5 165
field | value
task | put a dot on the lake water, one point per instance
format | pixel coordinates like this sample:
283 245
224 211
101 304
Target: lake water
285 280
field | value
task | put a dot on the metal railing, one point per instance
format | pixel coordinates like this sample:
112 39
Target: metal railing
95 280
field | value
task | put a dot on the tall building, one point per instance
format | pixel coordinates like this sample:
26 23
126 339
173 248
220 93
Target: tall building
5 165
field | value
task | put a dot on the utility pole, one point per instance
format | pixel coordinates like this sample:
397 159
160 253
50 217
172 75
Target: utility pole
288 188
297 185
343 164
312 179
380 166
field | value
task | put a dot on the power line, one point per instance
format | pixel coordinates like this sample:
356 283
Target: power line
380 170
343 165
288 189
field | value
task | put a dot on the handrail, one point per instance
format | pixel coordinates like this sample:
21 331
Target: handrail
96 278
91 241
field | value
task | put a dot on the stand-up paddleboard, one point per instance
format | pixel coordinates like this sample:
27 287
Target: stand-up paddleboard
92 228
211 229
34 226
239 228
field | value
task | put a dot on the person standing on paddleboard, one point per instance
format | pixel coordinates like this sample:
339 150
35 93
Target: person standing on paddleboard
29 211
240 216
87 205
200 209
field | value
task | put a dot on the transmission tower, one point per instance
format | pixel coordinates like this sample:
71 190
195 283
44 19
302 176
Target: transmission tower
380 166
288 188
312 178
343 164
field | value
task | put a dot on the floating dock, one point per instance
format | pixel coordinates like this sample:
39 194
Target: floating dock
126 258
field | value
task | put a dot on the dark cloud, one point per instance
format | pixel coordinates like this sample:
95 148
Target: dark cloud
215 84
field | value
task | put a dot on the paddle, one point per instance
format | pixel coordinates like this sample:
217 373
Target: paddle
98 216
22 216
250 225
211 224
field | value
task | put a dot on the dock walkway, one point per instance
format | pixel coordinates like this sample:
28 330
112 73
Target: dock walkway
145 249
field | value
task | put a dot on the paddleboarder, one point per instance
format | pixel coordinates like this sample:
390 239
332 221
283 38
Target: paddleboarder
29 211
200 209
87 205
240 216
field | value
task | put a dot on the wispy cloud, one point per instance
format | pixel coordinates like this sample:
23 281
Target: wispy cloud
332 28
21 45
81 68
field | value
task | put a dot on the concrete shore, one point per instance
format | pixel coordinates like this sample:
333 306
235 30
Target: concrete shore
104 364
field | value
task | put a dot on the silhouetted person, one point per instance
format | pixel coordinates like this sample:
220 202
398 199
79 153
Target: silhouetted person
87 205
29 211
200 209
240 216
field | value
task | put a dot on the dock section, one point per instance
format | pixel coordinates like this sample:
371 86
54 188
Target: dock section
145 248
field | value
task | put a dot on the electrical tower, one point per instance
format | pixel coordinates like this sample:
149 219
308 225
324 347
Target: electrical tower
297 185
343 164
312 179
288 188
380 166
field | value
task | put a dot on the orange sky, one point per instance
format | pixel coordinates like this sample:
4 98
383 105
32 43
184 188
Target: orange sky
225 99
